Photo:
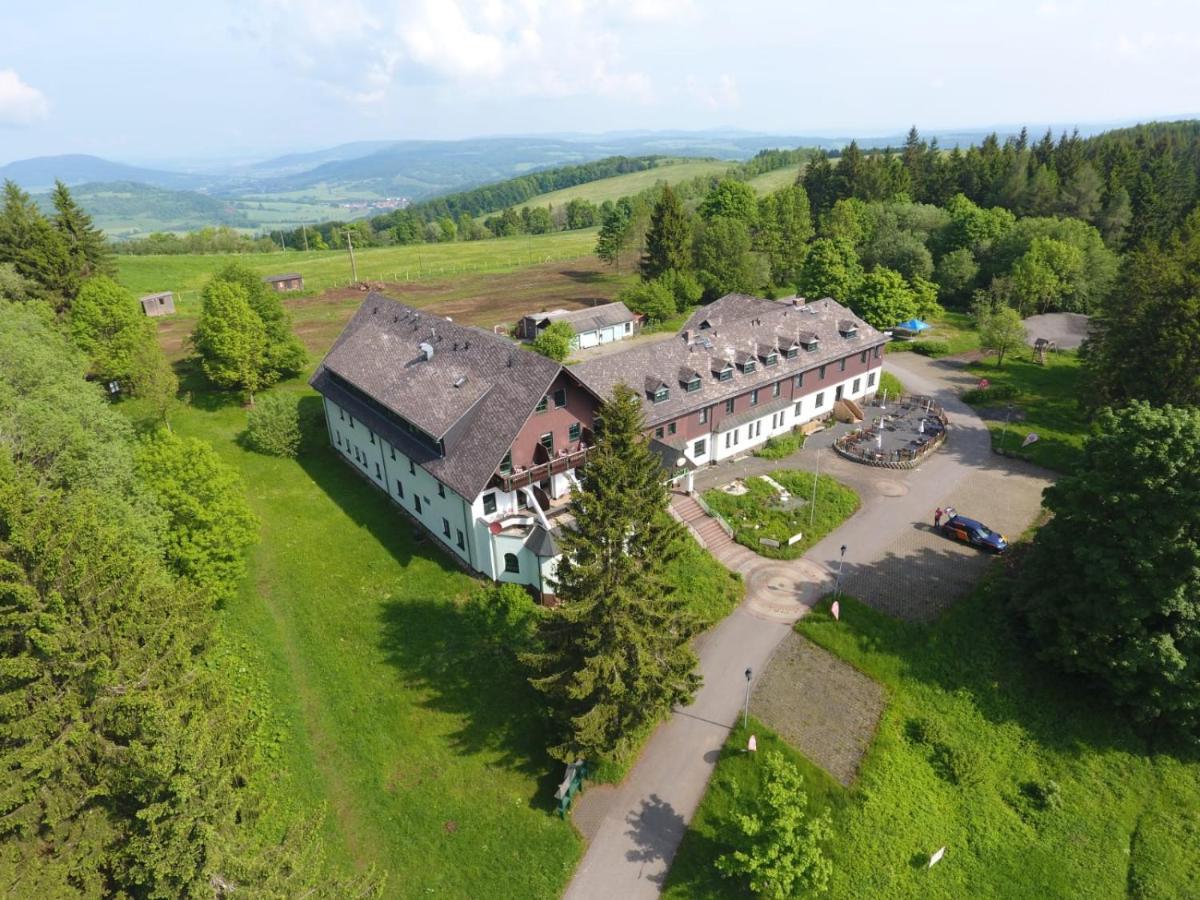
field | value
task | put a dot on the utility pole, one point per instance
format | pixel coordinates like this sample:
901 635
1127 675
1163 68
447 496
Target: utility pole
812 507
304 232
746 708
353 264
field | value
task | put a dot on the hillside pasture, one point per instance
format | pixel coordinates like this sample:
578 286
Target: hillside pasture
630 183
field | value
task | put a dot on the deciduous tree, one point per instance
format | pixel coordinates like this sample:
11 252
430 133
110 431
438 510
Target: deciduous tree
614 656
108 325
1000 328
230 340
831 269
1111 585
210 526
883 299
779 844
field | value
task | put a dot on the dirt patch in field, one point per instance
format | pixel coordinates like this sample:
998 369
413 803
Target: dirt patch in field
826 709
480 299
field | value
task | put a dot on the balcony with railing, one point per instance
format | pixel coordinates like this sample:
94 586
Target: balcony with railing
546 464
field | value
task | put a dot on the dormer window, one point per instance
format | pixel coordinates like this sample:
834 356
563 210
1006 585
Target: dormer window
848 328
770 360
748 366
692 384
808 340
811 344
791 352
725 374
661 394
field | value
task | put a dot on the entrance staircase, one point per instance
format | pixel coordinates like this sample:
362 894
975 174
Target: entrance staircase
846 410
710 534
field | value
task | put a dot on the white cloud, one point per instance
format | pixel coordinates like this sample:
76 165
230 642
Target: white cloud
534 48
721 95
20 104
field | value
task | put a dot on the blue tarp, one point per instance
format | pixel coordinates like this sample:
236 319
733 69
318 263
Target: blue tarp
913 325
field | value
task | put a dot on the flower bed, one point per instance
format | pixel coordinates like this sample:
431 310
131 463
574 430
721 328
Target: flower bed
759 513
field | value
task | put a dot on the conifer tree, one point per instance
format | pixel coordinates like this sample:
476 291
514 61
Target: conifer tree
669 239
614 657
33 247
86 246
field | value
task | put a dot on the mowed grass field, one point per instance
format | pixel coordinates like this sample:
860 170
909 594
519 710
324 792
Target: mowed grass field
631 183
422 741
975 737
187 273
424 747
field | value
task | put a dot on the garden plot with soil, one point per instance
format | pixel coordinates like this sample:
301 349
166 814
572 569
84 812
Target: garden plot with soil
777 515
825 708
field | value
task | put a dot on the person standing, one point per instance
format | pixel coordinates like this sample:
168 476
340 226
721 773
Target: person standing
937 517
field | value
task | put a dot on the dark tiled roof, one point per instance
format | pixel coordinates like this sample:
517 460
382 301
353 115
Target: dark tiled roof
728 309
286 277
589 319
498 386
746 322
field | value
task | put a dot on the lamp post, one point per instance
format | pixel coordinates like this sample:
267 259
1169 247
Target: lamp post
1007 418
837 588
746 708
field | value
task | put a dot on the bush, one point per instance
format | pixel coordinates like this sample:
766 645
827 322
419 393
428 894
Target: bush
932 349
554 342
274 426
781 446
962 766
504 616
890 383
928 732
996 393
1042 795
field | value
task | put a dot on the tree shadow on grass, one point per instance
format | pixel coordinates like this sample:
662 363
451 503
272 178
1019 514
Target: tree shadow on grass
951 630
583 277
199 392
358 498
437 646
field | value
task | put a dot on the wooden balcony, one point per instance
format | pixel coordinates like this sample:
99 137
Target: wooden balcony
556 465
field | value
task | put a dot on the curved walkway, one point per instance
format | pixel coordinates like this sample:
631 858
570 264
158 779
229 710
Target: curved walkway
635 828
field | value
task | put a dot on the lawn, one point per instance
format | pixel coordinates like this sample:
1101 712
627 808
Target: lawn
952 333
1045 402
757 513
1033 784
423 744
425 749
186 273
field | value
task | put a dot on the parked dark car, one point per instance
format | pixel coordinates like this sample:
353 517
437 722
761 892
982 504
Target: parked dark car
969 531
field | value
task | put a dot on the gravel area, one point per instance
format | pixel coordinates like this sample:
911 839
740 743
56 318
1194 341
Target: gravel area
1068 330
825 708
922 573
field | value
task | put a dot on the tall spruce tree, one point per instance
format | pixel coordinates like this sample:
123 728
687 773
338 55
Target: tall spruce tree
86 246
614 656
669 238
34 247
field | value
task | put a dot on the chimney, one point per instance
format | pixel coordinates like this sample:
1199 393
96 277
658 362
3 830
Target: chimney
426 350
687 336
797 301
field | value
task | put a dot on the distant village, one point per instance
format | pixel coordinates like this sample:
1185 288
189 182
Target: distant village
383 203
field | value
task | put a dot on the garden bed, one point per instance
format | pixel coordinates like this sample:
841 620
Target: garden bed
759 514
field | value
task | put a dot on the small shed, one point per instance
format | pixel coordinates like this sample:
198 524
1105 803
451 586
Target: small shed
592 326
161 304
291 281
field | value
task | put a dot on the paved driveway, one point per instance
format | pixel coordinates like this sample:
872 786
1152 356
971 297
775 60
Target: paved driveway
892 561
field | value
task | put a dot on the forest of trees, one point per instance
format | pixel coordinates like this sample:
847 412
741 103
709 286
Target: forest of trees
137 748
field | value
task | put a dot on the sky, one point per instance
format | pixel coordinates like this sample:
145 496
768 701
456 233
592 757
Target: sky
143 81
